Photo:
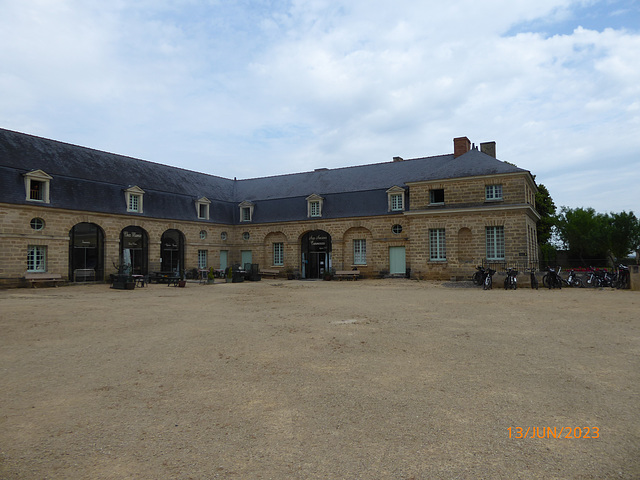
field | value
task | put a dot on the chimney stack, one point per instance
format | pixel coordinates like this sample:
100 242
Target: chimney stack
489 148
398 159
461 145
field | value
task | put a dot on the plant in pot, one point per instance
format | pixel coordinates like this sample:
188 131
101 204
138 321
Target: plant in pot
289 273
328 274
210 276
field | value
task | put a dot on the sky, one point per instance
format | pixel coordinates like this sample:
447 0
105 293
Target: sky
258 88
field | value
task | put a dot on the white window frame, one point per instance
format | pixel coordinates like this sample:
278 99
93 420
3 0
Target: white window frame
437 245
359 251
246 211
314 206
202 259
202 208
42 178
134 195
495 242
493 193
395 199
37 258
278 254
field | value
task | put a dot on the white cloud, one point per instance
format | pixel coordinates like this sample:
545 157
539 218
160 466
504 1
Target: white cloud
261 88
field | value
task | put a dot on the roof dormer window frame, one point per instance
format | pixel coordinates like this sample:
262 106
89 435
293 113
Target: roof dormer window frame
202 208
37 186
314 205
134 197
246 211
396 199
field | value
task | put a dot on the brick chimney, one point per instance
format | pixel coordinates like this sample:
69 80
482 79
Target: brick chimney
489 148
461 145
398 159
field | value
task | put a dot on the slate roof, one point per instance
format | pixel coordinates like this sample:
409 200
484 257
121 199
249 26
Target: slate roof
93 180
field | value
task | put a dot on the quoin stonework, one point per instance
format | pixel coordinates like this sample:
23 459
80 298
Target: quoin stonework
80 213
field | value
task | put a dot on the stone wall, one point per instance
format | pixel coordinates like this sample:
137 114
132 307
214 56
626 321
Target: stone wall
464 217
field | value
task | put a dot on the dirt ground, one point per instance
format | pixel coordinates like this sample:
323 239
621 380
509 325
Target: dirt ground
374 379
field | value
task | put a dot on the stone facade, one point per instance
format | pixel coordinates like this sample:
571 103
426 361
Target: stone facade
461 215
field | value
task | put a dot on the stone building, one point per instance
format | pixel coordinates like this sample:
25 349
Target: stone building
72 210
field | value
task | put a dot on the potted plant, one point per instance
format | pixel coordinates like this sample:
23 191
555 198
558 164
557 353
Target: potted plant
211 276
289 273
328 274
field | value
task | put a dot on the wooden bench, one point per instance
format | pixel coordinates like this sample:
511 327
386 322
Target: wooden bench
270 272
350 274
36 277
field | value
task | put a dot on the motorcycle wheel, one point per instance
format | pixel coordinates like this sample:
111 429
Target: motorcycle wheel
477 278
577 283
545 280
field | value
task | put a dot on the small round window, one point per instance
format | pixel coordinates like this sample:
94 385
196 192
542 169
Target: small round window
396 229
203 234
223 235
245 235
37 223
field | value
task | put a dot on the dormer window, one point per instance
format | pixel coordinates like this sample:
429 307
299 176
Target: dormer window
202 208
246 211
133 198
395 197
36 184
314 206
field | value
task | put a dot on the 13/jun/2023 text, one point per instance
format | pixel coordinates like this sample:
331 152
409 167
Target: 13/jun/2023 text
554 432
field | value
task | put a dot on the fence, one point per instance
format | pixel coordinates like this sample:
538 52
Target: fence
502 266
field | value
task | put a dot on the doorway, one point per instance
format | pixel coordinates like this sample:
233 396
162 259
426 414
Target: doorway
397 261
134 244
172 251
316 254
86 252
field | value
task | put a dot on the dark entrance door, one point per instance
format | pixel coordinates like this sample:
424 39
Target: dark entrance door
134 245
316 254
172 251
86 252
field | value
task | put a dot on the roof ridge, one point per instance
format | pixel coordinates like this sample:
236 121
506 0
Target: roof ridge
319 170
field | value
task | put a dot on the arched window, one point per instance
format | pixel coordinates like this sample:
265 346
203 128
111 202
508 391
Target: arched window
86 252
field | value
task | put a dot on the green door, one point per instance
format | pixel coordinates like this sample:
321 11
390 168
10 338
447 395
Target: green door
246 257
397 261
223 259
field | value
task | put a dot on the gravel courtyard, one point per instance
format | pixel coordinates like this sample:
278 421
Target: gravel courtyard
374 379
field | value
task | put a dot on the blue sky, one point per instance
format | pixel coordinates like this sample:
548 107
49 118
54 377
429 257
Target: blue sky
257 88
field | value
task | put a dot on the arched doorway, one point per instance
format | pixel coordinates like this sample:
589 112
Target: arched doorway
134 250
172 251
86 252
316 254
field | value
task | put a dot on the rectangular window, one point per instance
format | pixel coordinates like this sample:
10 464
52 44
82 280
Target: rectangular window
493 192
436 196
202 259
396 203
495 243
360 252
134 203
36 190
437 245
246 214
37 258
203 211
278 253
314 209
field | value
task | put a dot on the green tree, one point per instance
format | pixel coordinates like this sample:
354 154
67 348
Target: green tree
547 210
623 235
583 232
